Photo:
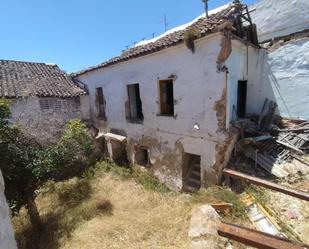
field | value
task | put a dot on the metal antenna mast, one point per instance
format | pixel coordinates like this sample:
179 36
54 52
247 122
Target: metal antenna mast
206 7
165 23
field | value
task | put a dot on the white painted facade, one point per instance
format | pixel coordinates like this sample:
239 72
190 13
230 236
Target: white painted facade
198 87
7 240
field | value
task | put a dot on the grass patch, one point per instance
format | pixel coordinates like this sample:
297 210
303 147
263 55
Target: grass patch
258 193
148 181
143 177
221 194
110 206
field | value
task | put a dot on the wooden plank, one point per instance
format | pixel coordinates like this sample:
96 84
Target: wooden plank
290 146
255 238
267 184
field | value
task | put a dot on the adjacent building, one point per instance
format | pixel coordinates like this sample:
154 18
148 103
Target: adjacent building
42 97
283 28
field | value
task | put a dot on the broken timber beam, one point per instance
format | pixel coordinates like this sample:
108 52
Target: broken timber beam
256 238
290 146
267 184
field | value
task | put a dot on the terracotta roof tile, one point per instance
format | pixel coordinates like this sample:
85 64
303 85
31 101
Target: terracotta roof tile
21 79
205 26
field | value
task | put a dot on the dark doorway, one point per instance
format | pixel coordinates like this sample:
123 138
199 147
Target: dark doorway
191 172
241 98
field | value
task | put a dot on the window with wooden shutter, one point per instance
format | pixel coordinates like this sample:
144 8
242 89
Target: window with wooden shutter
100 103
166 97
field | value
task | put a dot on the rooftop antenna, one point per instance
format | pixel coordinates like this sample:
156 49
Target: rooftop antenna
206 8
165 23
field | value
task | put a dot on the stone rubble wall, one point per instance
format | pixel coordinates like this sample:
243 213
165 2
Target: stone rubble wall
45 118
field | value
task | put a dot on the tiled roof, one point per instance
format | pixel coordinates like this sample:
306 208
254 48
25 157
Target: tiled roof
21 79
205 26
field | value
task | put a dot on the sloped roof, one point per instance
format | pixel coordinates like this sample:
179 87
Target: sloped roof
21 79
204 25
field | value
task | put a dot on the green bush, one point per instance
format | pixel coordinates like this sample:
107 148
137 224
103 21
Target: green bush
26 165
74 147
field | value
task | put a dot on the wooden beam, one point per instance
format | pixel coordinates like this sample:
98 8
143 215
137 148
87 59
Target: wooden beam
267 184
255 238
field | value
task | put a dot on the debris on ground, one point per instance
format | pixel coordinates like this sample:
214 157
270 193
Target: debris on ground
204 224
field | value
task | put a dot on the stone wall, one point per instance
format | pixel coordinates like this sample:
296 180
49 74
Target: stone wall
45 118
7 240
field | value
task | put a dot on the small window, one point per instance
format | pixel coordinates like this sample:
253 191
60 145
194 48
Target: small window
166 97
100 103
135 112
45 104
142 156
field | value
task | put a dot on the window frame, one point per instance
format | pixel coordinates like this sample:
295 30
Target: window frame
139 118
171 112
101 103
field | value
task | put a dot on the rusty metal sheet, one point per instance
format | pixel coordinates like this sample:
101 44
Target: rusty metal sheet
267 184
257 239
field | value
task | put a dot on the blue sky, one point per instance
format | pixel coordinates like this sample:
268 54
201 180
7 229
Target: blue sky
79 33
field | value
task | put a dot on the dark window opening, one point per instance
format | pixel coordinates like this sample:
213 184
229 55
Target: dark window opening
135 112
100 103
166 97
142 156
241 98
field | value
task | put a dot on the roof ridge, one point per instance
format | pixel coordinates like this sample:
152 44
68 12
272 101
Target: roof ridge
205 26
29 62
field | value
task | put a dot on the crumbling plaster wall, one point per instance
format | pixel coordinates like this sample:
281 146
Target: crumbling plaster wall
46 125
7 240
197 89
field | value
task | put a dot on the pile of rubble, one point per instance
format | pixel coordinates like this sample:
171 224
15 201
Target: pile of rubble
274 148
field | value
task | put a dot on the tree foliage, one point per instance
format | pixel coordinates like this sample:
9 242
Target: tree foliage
25 164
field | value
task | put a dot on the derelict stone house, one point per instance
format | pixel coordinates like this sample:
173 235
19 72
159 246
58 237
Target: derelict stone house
168 103
43 98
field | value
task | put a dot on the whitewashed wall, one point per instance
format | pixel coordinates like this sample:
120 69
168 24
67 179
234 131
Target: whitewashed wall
248 63
46 125
276 18
7 240
285 73
197 87
286 79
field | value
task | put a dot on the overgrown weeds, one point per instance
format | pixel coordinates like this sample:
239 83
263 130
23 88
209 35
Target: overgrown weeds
221 194
143 177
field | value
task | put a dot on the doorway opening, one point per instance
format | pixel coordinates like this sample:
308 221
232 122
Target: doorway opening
241 98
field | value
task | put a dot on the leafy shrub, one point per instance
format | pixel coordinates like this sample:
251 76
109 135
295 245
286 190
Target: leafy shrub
74 147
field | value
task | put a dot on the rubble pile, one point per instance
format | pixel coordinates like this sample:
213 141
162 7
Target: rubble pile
273 148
